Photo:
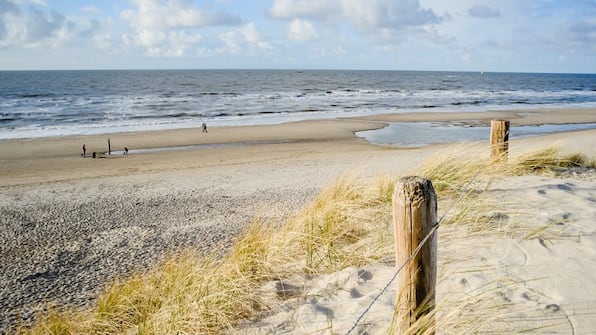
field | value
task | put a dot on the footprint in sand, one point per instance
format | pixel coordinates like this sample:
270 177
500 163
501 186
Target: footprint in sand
561 219
530 296
565 187
287 290
463 282
354 293
364 275
543 243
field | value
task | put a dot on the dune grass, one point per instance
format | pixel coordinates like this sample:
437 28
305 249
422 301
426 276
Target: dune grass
468 168
348 224
462 182
549 160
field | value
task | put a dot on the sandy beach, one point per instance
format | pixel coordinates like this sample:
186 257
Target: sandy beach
70 225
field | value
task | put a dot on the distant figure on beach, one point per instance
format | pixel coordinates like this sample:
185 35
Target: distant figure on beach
84 154
125 150
204 127
94 154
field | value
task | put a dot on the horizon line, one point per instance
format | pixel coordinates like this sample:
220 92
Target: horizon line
297 69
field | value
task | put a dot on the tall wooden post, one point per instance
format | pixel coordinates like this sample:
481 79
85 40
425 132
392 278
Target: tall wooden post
499 140
109 147
414 215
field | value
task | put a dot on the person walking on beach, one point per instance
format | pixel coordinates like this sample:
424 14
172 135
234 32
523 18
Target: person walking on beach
84 151
204 127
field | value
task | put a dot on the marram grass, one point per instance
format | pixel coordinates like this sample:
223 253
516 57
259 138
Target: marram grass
547 161
348 224
468 168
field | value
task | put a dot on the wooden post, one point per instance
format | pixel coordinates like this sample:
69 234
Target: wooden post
499 140
414 215
109 147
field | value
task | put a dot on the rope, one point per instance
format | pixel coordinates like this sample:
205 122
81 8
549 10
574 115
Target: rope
412 255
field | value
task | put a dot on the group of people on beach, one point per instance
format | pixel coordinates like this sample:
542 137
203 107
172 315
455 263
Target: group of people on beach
95 154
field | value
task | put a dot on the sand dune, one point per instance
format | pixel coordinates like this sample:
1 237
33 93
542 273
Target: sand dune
538 277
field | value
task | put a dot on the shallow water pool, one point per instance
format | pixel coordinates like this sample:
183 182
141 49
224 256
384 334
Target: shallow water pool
417 134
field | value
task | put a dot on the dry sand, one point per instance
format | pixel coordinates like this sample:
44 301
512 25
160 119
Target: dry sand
538 280
69 225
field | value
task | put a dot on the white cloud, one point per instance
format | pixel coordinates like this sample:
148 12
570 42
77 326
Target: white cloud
170 46
40 26
244 39
302 31
364 15
290 9
174 14
150 38
181 42
254 37
230 43
361 24
170 27
8 11
174 43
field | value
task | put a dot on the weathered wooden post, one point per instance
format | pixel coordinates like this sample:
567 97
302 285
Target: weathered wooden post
499 140
109 147
414 215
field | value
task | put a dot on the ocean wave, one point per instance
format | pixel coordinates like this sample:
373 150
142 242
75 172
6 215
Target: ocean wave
35 95
113 102
8 119
213 94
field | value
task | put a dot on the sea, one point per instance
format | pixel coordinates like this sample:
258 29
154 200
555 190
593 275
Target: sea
59 103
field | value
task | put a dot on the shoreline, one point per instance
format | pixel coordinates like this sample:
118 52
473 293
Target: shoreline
522 116
58 158
246 133
42 160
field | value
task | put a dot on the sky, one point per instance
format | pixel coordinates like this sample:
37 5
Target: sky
435 35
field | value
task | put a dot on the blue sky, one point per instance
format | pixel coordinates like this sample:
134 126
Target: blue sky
454 35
